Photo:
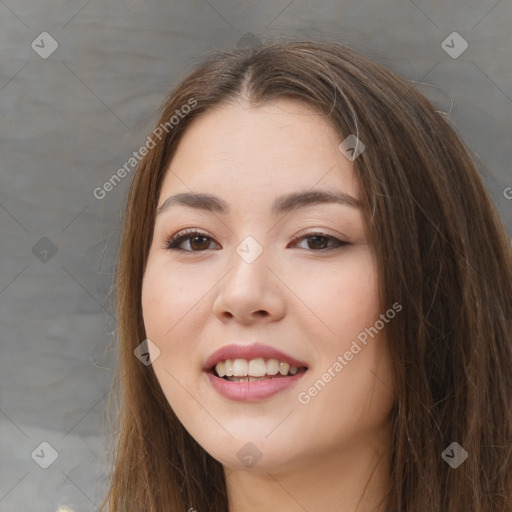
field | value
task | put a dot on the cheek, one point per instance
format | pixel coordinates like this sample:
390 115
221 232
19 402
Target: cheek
169 294
345 298
156 302
344 295
176 306
171 306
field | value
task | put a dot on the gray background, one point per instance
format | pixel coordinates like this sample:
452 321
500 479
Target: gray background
70 120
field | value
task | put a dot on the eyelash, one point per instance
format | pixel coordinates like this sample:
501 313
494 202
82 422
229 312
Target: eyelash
173 242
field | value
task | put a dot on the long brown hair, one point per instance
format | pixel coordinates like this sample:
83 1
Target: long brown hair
442 253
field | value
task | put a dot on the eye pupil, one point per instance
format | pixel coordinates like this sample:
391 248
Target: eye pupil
201 246
320 238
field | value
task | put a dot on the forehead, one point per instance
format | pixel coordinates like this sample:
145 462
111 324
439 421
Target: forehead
274 147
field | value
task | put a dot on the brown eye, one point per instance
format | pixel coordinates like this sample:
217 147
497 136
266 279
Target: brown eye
197 241
320 242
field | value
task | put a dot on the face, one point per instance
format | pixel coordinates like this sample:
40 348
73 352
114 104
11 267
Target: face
260 270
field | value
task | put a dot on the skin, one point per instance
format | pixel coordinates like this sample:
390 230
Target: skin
308 302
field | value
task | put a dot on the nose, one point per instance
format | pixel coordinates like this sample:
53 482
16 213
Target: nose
250 292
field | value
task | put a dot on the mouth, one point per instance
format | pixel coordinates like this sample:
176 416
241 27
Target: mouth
254 379
254 370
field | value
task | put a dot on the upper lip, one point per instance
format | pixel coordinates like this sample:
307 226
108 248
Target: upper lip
249 352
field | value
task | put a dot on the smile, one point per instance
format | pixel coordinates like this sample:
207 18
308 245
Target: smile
248 388
243 370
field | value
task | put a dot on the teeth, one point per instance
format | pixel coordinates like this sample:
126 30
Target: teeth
272 366
246 379
283 368
240 368
221 369
255 369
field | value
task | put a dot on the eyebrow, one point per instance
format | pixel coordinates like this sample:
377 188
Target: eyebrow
280 205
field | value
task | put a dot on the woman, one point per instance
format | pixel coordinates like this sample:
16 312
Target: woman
314 296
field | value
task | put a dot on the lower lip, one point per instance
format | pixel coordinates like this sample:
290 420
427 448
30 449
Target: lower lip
252 391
